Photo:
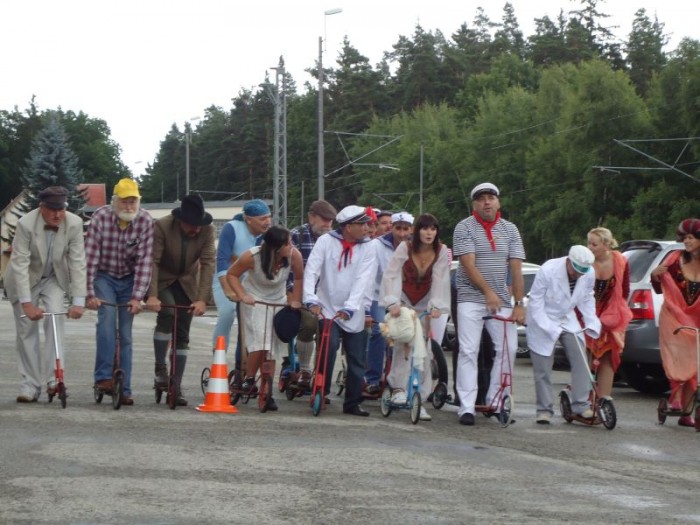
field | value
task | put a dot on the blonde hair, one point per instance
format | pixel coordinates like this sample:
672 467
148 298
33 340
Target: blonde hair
606 236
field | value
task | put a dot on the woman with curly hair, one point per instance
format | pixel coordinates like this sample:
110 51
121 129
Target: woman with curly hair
678 277
611 289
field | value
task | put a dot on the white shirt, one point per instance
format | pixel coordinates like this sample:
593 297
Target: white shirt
335 286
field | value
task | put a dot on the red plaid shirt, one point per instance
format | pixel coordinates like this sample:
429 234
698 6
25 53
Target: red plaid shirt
119 252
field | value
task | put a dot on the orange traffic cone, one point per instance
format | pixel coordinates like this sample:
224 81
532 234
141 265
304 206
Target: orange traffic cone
217 398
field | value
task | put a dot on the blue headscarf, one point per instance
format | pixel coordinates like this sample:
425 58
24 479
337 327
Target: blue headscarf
254 208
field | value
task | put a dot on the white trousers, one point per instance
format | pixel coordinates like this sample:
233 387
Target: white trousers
37 363
470 324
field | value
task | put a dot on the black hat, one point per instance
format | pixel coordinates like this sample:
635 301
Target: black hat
191 211
287 323
54 197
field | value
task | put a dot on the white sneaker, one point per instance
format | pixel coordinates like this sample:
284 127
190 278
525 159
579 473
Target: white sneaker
424 416
543 418
587 414
399 397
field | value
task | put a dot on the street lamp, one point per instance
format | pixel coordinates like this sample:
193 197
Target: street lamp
188 140
321 151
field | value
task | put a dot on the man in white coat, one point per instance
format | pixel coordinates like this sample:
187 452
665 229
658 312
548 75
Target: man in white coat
48 261
339 279
561 286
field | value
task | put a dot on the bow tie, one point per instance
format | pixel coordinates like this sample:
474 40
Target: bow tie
52 228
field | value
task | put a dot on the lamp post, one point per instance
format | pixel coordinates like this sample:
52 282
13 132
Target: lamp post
188 140
321 150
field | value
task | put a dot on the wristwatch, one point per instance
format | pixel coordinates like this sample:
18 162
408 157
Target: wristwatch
520 303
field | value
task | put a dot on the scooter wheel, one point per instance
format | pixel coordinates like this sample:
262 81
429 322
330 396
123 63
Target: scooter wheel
204 380
289 392
265 393
385 402
505 415
234 386
159 395
118 390
415 407
340 381
607 413
662 410
98 395
317 403
697 418
439 395
172 395
61 393
565 406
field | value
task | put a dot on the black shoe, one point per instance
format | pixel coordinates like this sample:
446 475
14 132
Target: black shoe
466 419
248 385
180 401
373 389
357 410
271 405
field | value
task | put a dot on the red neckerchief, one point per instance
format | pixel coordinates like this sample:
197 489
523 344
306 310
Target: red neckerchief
346 253
487 227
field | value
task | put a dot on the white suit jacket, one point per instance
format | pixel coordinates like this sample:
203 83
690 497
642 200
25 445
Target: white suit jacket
550 307
29 254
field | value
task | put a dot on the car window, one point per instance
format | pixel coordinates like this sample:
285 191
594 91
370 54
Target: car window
529 278
640 259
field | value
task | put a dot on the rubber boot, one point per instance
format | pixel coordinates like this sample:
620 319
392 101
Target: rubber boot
180 362
161 342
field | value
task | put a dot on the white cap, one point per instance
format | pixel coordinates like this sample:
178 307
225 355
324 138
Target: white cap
402 216
581 258
351 214
485 187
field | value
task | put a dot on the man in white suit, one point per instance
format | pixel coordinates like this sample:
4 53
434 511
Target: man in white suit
47 261
561 286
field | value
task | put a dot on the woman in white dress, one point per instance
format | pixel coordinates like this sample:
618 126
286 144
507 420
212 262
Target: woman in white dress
417 276
267 267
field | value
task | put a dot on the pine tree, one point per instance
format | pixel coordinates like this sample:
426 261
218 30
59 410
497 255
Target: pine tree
52 162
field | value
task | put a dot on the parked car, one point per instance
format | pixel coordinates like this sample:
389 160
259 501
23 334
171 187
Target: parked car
529 272
641 361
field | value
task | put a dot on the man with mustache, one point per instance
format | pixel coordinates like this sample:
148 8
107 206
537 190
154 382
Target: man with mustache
119 251
184 259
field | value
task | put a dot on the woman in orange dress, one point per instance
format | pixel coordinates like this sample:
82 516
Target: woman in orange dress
679 279
612 287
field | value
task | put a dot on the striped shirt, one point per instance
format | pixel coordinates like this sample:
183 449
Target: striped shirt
120 252
470 237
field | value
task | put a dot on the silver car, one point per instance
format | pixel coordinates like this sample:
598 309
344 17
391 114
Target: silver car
641 360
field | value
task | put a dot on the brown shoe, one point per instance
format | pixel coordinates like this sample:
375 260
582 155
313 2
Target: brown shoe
24 398
104 385
127 401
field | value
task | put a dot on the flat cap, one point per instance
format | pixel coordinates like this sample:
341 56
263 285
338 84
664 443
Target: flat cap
54 197
323 209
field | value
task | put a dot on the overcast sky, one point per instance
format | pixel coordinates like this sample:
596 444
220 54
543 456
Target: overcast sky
142 65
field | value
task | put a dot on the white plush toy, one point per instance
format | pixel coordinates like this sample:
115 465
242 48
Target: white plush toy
405 330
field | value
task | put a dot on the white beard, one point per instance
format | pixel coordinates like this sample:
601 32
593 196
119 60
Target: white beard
127 216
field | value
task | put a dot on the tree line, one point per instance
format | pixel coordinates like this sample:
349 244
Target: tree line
576 127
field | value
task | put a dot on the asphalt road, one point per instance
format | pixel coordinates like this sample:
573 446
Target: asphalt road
149 464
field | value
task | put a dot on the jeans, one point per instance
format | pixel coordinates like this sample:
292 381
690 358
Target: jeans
354 345
377 347
115 291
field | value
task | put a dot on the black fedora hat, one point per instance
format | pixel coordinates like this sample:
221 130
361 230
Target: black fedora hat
191 211
287 323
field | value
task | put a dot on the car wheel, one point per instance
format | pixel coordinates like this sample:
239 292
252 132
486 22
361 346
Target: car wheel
645 378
